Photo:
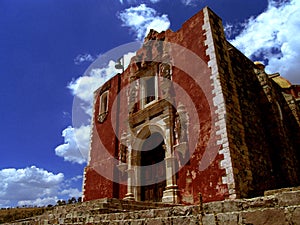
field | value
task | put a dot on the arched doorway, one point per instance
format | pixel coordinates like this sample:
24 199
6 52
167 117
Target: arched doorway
153 168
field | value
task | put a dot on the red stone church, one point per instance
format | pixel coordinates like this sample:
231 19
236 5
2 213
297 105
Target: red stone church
191 114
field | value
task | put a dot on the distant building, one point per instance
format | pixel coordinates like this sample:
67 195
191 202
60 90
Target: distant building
191 114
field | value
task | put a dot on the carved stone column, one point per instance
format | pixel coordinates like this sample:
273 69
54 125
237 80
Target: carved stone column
130 178
132 94
130 171
130 195
171 192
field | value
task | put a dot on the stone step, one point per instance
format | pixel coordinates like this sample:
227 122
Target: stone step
150 216
109 205
279 199
282 208
182 220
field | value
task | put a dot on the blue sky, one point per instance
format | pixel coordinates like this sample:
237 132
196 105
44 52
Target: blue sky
47 45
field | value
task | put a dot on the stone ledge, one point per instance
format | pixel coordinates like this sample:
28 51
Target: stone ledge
279 191
280 198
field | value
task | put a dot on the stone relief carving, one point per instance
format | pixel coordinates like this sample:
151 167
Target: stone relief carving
102 117
123 153
132 95
183 120
165 70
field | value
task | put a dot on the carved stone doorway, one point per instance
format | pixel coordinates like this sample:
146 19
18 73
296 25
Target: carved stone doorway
153 168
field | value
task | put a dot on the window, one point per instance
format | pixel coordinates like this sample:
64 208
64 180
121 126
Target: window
103 108
104 102
149 90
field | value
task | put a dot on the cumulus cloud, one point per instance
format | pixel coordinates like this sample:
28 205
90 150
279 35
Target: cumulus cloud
72 192
81 58
84 86
136 1
75 148
273 37
141 19
39 201
79 177
35 186
29 185
189 2
185 2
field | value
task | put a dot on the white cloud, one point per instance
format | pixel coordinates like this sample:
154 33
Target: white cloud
273 37
83 58
32 184
75 148
141 19
136 1
185 2
72 192
39 202
79 177
188 2
5 203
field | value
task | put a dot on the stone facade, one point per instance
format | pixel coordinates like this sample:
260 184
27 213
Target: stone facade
191 114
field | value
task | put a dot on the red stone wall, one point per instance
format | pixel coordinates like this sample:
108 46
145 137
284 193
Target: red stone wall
97 184
208 181
191 180
242 146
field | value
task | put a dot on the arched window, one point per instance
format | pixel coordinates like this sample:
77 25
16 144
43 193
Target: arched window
103 107
104 102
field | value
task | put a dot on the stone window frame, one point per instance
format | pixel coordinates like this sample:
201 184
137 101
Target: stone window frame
103 106
144 103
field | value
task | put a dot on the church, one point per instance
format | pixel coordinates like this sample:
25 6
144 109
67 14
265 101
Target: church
192 116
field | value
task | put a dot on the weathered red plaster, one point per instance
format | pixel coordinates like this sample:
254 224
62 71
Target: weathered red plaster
248 117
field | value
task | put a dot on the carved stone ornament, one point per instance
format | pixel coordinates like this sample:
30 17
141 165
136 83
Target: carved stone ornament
123 153
102 117
165 70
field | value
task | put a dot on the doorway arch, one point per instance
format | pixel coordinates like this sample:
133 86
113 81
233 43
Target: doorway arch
155 136
153 169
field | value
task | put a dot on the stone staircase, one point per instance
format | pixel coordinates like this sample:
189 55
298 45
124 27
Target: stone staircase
279 207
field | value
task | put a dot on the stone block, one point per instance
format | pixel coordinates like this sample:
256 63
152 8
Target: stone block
232 205
227 219
289 198
295 216
137 222
265 217
181 211
147 213
213 207
158 221
185 220
261 202
208 219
